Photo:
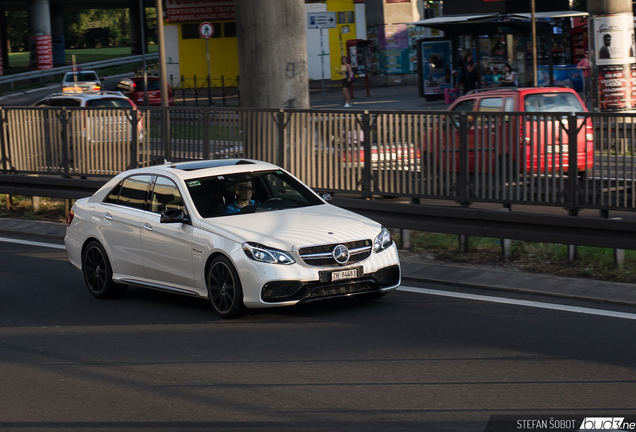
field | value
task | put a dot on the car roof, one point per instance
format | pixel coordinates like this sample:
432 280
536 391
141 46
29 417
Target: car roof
204 168
82 71
140 78
541 89
87 95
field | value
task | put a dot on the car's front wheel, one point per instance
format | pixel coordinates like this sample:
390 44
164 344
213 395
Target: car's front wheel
98 273
224 288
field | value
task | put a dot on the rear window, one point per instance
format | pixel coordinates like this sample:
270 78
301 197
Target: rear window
109 103
81 76
152 85
64 102
551 102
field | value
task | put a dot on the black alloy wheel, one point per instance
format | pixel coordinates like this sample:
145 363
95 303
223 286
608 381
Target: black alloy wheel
224 288
98 274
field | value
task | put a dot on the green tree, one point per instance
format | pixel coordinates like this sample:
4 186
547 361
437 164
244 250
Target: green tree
580 5
18 31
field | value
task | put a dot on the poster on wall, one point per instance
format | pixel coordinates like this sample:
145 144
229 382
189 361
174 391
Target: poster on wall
436 67
614 88
614 37
200 10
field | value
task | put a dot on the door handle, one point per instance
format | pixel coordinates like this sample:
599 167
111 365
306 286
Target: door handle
107 216
147 226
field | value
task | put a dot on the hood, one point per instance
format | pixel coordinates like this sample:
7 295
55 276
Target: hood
291 229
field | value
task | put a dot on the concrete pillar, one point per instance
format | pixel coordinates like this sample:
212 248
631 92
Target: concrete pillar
57 33
612 53
135 27
39 17
272 50
40 29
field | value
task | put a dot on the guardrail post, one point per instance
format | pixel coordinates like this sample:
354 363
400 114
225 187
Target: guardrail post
280 148
165 133
572 188
196 92
366 145
206 134
183 89
463 192
134 142
209 91
3 146
63 117
223 89
238 90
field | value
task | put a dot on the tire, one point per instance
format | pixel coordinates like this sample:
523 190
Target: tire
224 288
98 273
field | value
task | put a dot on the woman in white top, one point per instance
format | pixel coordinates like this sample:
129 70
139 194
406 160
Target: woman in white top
510 77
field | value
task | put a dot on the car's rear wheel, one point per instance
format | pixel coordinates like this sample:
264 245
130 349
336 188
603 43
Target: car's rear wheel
224 288
98 273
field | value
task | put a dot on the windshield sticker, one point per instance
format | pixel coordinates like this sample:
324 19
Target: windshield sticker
221 178
279 172
193 183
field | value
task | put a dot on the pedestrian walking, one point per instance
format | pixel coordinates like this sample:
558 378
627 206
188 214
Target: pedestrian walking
347 74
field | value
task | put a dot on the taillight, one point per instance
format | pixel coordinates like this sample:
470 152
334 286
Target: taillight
589 130
97 88
69 218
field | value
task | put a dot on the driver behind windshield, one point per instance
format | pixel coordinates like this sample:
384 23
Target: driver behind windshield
243 198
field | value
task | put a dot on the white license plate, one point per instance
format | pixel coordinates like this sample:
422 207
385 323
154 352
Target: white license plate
344 274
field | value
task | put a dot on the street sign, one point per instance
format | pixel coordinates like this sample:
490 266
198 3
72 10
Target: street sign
206 30
317 20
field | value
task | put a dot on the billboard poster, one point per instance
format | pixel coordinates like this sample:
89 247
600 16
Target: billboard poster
614 39
614 88
436 67
393 37
200 10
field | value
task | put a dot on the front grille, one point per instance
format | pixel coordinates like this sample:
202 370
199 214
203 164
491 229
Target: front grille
321 256
343 289
281 290
387 276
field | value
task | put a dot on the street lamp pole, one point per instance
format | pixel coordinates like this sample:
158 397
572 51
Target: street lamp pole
534 45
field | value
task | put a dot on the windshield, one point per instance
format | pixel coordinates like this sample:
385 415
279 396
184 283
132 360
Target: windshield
109 102
552 102
249 193
81 76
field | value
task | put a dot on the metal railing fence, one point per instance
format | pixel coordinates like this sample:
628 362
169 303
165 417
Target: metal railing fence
569 160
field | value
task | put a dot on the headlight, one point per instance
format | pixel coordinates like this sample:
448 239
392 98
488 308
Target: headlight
382 241
264 254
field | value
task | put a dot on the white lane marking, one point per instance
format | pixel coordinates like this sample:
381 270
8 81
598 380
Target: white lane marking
32 243
534 304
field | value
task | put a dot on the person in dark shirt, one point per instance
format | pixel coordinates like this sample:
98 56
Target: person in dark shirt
243 198
469 72
604 52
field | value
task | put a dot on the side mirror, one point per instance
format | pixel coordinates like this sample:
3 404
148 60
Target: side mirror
174 216
103 79
327 197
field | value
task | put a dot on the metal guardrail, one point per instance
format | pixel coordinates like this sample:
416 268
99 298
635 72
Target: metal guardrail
8 79
507 158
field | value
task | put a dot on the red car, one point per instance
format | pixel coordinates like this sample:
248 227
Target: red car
133 88
537 142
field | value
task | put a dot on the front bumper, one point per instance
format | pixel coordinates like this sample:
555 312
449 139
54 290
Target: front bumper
298 291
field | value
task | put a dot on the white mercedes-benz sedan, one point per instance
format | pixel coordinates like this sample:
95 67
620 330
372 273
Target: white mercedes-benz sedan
241 233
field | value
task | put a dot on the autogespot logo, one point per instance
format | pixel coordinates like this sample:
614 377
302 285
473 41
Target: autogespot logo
602 423
341 254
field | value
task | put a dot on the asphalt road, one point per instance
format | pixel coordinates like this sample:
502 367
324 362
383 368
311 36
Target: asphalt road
410 361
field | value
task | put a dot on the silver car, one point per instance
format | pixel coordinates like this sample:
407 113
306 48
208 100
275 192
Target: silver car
82 81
